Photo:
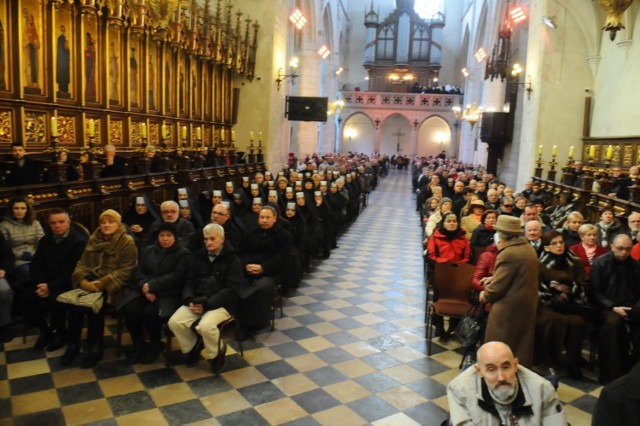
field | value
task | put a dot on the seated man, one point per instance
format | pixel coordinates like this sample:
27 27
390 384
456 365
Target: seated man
51 269
210 296
500 392
616 291
170 211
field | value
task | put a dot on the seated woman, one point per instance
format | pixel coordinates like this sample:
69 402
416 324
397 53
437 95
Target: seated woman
474 218
428 208
561 211
483 273
447 244
105 265
609 226
140 216
157 292
588 249
559 324
22 232
265 255
444 206
570 228
482 236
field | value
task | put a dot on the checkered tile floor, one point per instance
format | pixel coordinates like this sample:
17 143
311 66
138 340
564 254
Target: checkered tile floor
350 350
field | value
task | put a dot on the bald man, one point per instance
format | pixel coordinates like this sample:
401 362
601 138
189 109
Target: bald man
500 391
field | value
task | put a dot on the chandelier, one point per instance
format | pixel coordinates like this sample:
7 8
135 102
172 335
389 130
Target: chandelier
614 9
470 114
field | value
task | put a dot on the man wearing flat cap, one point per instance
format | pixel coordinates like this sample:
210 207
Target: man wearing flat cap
513 291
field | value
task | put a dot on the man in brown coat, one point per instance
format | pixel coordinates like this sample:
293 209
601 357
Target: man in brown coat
513 291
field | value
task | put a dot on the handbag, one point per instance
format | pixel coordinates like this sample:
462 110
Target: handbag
470 326
82 298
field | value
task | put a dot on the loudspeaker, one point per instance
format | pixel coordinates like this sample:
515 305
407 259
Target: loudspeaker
305 108
494 127
236 105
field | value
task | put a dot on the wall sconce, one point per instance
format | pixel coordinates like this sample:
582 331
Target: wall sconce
415 124
282 76
377 123
470 114
515 73
339 120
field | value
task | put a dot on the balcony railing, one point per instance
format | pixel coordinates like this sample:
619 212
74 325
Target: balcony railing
410 101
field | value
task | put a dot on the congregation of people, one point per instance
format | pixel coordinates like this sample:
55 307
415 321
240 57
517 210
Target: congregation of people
550 281
191 263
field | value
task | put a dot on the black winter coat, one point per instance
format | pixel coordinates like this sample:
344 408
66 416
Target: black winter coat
607 278
269 248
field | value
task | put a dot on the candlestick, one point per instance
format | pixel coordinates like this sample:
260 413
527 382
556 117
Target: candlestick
540 150
184 132
554 150
592 151
164 132
54 127
199 133
233 136
143 131
222 135
92 128
259 136
571 151
251 136
609 152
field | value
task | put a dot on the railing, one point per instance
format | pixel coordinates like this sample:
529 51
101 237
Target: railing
437 101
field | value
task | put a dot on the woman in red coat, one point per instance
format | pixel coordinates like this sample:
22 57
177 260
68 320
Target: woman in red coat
483 273
588 249
447 244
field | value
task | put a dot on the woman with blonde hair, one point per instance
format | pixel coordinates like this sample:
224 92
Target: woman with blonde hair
588 248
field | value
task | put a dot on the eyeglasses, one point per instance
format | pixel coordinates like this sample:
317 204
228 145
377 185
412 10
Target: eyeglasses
169 211
507 205
218 214
556 243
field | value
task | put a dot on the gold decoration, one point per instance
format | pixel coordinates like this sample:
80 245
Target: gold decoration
66 130
614 9
115 132
162 11
35 128
154 136
6 131
627 157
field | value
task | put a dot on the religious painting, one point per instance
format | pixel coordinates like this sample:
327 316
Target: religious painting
33 48
182 87
195 85
114 67
169 85
63 34
135 63
152 74
91 59
5 52
35 128
208 92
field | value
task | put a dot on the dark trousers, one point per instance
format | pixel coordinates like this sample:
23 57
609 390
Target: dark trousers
613 345
95 326
45 312
255 309
140 314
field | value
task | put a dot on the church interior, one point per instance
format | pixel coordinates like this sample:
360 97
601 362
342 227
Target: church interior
196 93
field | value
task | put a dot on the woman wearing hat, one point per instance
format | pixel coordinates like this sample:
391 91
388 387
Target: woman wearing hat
474 219
105 266
156 292
140 216
513 291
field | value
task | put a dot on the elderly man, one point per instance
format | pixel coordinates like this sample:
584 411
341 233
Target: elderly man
51 269
499 391
616 291
170 211
493 200
210 297
619 184
513 291
113 164
533 234
531 213
634 226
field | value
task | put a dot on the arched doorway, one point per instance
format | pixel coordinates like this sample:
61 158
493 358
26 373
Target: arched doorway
358 134
396 136
434 136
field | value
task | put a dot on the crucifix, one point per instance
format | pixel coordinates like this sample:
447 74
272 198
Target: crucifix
398 134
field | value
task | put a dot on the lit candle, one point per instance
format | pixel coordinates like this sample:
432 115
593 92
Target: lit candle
184 132
54 127
571 151
259 136
143 131
609 152
540 150
164 132
92 128
233 136
592 151
251 136
554 151
222 135
199 133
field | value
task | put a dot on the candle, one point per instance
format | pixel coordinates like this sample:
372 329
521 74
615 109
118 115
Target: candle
251 136
554 151
233 136
259 136
222 135
199 133
571 151
164 132
143 131
540 150
609 152
184 132
92 128
54 127
592 151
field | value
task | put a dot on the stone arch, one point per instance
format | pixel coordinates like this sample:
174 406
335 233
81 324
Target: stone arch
358 133
396 135
434 135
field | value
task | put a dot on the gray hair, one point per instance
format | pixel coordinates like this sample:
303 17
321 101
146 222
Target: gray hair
169 203
213 228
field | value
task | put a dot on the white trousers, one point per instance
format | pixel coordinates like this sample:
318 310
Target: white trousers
180 324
